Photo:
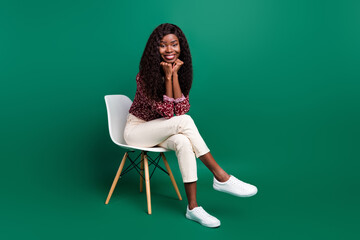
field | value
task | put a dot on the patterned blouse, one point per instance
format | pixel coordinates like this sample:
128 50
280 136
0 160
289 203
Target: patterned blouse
148 109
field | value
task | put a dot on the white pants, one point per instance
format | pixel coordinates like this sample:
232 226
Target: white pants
178 133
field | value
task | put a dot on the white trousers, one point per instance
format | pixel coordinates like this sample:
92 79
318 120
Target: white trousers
178 133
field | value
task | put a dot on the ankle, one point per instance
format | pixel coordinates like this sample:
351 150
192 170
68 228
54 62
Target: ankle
192 206
222 177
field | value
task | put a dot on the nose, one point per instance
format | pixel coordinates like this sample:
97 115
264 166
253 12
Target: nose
168 48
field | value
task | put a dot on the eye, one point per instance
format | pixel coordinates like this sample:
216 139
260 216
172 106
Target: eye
175 45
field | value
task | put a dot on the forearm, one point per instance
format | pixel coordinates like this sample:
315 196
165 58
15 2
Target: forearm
176 86
169 87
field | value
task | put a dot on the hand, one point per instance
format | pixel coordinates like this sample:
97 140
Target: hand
167 67
177 64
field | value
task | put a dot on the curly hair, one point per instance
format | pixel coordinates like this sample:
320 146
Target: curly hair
150 70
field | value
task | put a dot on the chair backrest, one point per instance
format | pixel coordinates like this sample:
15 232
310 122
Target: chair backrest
117 110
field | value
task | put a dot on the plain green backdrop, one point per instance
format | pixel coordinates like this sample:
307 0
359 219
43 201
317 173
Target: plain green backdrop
275 96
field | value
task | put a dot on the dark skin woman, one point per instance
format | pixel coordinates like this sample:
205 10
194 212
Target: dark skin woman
170 51
166 69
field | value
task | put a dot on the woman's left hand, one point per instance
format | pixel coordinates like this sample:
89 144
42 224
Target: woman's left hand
177 64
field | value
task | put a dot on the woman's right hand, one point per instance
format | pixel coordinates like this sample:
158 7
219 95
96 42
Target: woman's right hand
167 67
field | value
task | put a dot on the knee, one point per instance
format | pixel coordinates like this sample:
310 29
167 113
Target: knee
186 121
186 118
182 142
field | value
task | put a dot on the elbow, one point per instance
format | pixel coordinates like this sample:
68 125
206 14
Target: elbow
182 110
180 113
166 110
168 116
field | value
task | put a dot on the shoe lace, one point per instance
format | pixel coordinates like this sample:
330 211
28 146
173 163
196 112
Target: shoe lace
203 213
242 184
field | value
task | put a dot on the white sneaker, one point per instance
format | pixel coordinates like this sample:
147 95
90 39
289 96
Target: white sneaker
198 214
235 187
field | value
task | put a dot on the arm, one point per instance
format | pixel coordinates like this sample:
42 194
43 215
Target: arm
181 103
169 87
176 85
165 108
173 90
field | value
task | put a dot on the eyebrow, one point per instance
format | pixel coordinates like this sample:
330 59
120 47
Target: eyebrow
170 42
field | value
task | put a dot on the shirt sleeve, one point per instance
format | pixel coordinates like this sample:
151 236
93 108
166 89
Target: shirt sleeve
181 105
165 108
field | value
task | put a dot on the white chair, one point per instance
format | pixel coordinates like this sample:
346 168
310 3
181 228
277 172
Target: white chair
117 110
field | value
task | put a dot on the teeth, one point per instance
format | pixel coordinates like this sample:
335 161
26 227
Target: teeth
170 56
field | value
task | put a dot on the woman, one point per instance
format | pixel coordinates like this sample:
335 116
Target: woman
163 86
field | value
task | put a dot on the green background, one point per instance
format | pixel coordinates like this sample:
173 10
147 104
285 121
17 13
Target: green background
275 96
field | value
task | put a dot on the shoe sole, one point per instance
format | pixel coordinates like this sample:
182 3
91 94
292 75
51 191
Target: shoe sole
204 224
237 195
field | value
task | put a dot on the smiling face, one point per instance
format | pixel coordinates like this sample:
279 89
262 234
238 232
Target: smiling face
169 48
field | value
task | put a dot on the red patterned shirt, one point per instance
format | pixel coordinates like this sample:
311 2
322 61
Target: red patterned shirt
148 109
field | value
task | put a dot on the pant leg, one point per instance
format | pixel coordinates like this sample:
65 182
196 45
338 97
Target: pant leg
150 133
185 155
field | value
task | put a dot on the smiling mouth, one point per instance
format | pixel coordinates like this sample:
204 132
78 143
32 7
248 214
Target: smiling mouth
169 57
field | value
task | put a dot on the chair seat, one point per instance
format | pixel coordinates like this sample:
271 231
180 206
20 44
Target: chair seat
150 149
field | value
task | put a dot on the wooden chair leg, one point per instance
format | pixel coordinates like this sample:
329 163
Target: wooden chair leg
147 183
116 177
171 175
141 171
